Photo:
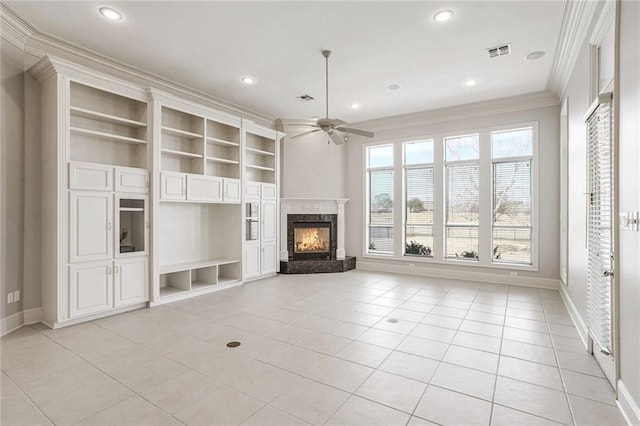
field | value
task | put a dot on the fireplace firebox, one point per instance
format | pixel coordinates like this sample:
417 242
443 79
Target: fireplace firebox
312 240
311 236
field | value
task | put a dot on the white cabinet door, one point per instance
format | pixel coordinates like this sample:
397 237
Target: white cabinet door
131 281
173 186
89 176
251 261
90 288
90 226
132 180
231 191
252 190
269 259
269 221
204 188
269 191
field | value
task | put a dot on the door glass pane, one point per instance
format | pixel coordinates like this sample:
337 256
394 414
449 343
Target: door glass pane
132 225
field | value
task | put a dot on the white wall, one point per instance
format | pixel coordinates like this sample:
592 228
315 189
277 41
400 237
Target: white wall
548 163
577 94
12 175
629 193
311 168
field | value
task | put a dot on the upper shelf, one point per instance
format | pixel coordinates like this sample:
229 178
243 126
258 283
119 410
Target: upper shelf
108 118
259 151
107 136
221 142
181 133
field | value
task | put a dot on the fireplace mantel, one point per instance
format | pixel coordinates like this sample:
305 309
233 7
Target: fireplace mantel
312 206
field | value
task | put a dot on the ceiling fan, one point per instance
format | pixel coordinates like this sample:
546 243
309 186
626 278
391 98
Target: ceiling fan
331 126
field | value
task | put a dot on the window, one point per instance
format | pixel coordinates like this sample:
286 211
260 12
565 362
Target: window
462 154
380 199
459 198
418 172
512 156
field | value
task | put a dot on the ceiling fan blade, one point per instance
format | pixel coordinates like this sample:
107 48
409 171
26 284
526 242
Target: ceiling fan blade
337 138
355 131
304 134
337 122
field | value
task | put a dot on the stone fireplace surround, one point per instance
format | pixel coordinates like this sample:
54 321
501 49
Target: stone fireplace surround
314 208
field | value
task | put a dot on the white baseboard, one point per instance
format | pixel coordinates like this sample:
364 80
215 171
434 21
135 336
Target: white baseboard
32 316
457 274
17 320
629 408
11 323
581 326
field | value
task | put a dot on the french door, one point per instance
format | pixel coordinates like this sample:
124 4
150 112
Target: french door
600 274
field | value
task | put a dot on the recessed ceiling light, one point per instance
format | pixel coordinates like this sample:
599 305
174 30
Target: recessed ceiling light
354 106
443 15
471 82
534 55
247 79
393 87
110 13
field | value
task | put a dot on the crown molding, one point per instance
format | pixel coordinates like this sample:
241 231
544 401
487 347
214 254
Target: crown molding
14 28
463 112
31 41
577 15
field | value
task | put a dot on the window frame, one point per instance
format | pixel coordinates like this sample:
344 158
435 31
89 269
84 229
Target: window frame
405 200
534 194
445 196
367 200
486 193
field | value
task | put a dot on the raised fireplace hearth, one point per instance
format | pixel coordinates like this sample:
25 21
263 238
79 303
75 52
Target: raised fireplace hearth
312 239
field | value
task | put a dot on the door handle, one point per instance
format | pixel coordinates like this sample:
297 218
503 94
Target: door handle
109 270
117 270
109 226
607 273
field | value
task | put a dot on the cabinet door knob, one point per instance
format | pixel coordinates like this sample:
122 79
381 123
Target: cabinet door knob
109 226
108 270
117 270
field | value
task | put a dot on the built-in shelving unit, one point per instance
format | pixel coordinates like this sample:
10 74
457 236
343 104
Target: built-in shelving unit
260 154
198 276
107 128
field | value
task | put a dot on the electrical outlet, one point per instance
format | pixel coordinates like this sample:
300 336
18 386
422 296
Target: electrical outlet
9 297
16 296
513 274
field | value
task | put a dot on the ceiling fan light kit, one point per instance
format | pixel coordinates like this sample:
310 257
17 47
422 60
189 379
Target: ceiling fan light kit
332 127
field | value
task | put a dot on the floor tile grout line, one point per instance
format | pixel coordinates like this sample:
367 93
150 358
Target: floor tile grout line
107 374
28 398
562 380
495 383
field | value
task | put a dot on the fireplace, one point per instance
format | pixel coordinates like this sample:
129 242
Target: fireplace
312 236
311 240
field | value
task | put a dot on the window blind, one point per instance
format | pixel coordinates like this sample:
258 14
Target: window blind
512 211
462 211
599 311
381 210
419 211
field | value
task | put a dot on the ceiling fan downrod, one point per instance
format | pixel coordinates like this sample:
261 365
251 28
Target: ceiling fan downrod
326 54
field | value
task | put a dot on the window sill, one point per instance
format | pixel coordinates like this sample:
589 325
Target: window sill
452 262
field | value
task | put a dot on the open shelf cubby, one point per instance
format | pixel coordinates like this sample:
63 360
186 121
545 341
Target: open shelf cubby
194 276
107 128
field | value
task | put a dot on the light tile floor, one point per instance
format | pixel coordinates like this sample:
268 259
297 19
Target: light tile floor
339 349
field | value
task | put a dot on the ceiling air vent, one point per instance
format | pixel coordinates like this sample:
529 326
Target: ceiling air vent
305 98
501 50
